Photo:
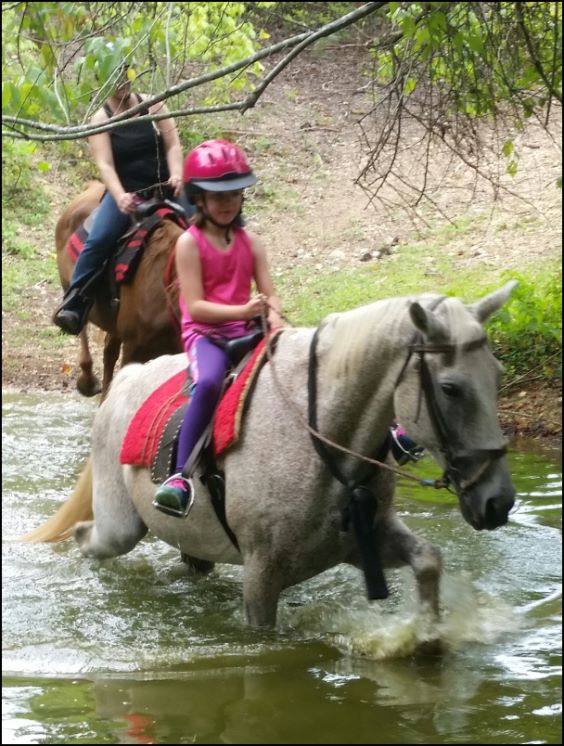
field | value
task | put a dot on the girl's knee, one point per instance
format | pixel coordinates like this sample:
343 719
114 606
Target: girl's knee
208 387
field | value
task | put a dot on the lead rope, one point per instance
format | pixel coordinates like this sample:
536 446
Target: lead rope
436 483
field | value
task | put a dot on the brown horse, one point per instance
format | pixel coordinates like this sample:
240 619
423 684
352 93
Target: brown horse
145 325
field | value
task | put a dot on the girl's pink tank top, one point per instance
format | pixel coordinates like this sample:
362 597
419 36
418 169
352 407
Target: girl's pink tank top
226 279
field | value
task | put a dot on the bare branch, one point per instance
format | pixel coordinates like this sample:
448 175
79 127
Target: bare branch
534 57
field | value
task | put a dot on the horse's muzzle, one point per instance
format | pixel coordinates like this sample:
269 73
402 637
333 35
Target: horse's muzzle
483 484
488 514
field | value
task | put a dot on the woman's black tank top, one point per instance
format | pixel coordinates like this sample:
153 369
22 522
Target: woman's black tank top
139 154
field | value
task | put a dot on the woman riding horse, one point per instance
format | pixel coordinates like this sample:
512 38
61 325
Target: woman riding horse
131 158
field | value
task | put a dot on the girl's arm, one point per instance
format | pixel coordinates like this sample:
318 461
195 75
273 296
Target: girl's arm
189 270
264 282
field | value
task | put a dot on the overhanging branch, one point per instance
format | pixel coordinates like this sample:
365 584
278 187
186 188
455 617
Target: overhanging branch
18 128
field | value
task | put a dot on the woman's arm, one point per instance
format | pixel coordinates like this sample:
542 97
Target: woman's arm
173 148
189 270
101 150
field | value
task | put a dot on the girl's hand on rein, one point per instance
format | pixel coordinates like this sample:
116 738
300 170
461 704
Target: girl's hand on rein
257 306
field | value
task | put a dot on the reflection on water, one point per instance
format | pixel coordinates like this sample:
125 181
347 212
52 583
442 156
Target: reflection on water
133 650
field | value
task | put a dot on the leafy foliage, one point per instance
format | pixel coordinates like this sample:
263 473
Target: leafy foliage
479 54
526 334
23 198
64 58
462 77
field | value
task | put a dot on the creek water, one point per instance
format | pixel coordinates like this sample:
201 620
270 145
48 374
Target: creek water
134 650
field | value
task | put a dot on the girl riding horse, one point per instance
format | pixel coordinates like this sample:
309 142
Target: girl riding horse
216 261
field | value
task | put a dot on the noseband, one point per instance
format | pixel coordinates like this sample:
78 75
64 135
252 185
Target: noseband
455 457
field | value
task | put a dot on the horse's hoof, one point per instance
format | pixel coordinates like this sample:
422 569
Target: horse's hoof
434 647
88 386
195 565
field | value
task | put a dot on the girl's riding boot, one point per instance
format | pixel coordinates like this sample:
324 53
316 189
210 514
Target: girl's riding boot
175 496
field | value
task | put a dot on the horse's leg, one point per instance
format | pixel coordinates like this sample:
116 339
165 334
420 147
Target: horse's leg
400 546
117 526
87 383
261 590
196 565
112 346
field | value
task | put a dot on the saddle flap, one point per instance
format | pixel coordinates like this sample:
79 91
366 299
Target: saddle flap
130 248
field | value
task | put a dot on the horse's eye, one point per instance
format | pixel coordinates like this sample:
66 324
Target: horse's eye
451 389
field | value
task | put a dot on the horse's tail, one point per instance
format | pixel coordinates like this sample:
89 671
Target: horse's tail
77 508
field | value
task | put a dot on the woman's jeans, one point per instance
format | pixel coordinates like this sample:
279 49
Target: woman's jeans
109 225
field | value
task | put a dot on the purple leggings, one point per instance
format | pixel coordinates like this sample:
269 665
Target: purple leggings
208 365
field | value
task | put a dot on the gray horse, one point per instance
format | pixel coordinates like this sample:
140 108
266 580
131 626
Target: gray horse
424 360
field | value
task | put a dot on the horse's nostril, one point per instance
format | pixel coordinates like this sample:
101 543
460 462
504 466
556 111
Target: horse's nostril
497 511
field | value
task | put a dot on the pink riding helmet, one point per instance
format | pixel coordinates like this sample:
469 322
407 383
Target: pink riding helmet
217 166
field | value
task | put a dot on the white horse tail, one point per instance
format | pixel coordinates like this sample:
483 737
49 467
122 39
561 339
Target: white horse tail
77 508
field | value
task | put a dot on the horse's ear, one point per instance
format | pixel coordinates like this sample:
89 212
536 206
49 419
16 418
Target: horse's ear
484 308
428 323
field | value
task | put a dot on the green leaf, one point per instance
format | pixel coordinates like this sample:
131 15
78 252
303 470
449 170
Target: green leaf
437 21
409 86
407 26
7 89
475 42
43 166
512 167
507 148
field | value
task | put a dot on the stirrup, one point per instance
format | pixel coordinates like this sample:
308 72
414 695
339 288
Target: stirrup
404 449
168 510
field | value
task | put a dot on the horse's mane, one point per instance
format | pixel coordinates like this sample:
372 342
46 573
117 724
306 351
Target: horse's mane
353 330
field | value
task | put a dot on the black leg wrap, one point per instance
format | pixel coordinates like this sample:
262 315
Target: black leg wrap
362 511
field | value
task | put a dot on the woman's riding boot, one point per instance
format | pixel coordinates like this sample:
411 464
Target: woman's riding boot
73 312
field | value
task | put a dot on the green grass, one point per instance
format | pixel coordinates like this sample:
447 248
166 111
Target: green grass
20 275
525 335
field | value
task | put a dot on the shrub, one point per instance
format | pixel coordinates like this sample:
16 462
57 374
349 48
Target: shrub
526 333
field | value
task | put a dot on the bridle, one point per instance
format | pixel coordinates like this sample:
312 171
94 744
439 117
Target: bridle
456 458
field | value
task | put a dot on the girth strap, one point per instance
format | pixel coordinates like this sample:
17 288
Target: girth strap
361 507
